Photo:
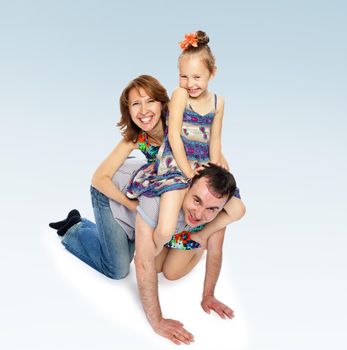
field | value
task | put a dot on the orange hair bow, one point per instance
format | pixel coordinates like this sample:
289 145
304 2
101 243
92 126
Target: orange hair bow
189 40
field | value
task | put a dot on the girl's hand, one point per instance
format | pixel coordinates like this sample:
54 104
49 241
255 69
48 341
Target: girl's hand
222 163
197 170
191 174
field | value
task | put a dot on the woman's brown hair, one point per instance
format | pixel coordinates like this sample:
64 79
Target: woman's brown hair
130 131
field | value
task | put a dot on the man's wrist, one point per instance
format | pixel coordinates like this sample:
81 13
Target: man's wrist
155 321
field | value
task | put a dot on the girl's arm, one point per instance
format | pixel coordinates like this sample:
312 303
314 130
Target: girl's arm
216 134
176 108
102 178
224 163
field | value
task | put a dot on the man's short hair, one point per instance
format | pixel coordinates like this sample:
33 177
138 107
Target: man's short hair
220 181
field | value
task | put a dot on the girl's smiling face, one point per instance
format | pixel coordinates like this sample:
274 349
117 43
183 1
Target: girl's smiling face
193 75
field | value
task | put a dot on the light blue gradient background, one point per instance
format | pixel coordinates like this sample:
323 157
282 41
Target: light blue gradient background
282 71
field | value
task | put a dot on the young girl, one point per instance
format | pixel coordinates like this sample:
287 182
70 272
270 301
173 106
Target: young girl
192 139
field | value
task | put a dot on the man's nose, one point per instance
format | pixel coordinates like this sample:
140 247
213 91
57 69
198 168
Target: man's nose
198 213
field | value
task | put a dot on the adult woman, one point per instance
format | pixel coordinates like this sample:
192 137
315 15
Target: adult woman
108 246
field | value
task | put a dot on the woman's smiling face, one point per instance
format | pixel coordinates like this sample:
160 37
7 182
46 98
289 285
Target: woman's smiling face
145 112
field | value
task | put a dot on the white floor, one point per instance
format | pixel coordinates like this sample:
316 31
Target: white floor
118 302
288 292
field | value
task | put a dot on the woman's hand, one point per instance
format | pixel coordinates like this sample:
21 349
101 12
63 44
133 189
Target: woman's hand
132 204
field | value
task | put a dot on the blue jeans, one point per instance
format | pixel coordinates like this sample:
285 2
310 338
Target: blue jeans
104 246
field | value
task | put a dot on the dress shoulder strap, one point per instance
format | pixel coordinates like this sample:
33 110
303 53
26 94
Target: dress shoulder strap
215 104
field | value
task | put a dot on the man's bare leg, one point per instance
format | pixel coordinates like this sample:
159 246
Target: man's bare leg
180 262
160 258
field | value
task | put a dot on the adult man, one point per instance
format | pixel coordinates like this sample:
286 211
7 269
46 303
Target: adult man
208 193
109 247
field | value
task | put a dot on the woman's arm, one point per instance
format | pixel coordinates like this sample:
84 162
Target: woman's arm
102 178
216 134
176 108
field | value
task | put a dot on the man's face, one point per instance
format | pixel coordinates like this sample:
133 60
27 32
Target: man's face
200 205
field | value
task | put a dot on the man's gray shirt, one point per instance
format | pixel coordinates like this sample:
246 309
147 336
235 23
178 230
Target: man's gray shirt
148 207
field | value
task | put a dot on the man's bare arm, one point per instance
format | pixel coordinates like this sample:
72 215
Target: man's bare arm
147 281
213 266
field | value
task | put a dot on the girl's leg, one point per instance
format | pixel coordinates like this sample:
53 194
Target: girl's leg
170 205
179 262
233 211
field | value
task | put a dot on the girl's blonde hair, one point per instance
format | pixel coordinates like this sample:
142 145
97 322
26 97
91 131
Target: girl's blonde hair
203 49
